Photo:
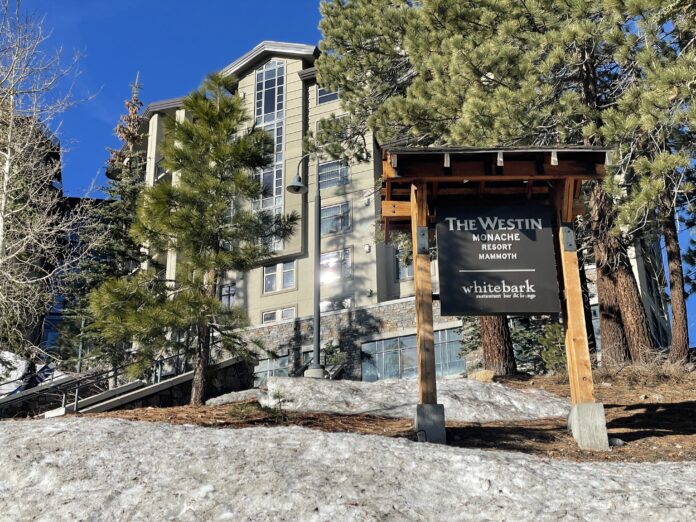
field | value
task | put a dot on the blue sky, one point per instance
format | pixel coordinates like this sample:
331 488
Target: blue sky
173 44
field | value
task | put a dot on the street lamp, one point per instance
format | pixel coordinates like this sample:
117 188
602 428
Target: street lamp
315 370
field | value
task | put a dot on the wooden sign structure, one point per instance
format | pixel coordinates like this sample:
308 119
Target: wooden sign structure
415 179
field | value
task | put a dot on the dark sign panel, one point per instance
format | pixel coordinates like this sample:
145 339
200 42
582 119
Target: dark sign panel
496 259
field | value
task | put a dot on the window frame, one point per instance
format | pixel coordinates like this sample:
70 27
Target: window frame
342 275
278 315
342 216
403 349
331 95
279 271
399 265
230 296
342 180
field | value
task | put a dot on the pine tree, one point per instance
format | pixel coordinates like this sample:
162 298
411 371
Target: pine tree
533 73
659 134
204 216
121 255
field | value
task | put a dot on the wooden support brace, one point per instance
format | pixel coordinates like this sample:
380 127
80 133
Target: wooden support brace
396 209
577 348
427 388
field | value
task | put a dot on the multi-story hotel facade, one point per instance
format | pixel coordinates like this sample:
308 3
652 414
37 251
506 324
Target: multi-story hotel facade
367 304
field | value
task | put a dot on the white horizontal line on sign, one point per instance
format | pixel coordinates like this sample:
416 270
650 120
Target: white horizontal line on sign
504 270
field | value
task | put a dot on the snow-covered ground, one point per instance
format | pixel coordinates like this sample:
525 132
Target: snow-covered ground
464 399
104 469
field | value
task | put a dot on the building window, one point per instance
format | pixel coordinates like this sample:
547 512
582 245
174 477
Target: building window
397 357
403 270
336 266
270 85
284 314
228 294
325 95
335 219
278 277
269 317
268 367
332 174
270 95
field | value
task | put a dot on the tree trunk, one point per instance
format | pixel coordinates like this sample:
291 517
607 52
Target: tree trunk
113 378
203 342
679 351
200 370
614 346
612 258
496 342
635 321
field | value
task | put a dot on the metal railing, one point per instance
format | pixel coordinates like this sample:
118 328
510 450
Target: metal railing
93 384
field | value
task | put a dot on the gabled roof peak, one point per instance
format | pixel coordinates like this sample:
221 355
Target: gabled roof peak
246 61
267 48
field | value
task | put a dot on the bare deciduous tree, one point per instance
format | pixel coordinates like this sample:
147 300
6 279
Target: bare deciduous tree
38 225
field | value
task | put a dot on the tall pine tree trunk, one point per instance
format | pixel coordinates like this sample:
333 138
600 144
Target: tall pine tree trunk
679 351
496 342
614 346
200 369
202 361
612 259
635 321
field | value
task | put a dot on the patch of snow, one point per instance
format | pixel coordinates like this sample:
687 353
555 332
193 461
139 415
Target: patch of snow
464 400
12 367
105 469
237 396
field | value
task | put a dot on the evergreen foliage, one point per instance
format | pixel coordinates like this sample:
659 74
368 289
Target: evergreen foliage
619 74
205 216
118 257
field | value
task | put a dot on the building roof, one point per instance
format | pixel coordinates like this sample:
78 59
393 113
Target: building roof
267 48
243 63
398 148
162 105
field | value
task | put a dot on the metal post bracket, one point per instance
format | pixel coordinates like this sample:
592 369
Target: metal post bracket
568 236
422 240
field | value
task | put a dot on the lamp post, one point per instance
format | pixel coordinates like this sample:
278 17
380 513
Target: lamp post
296 186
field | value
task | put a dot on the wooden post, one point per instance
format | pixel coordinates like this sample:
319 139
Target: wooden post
427 388
577 347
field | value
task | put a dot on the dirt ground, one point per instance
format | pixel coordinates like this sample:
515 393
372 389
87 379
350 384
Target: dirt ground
656 421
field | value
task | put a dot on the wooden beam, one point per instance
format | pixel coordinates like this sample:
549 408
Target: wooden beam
388 171
567 207
427 388
392 208
461 191
497 179
577 349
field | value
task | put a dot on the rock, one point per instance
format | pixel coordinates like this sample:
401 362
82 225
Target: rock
658 397
643 397
606 385
616 442
481 376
